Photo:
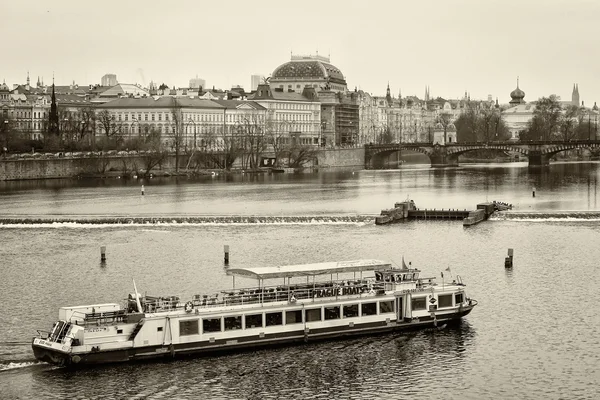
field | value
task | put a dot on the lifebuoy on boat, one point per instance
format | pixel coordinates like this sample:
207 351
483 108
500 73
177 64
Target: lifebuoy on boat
292 298
189 307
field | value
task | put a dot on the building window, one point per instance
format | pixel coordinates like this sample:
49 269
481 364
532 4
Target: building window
233 323
419 303
369 309
211 325
386 307
445 300
254 321
160 117
313 314
189 327
145 117
152 116
293 317
273 319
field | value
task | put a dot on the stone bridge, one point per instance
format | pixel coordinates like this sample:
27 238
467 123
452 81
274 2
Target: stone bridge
538 152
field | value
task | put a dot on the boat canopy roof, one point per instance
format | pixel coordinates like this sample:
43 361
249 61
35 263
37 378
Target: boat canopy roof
288 271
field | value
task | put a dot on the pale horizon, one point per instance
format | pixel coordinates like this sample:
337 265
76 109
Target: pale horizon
465 45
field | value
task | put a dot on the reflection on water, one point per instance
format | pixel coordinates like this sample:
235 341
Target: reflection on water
533 335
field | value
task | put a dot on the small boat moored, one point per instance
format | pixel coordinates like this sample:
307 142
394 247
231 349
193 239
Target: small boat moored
315 302
502 206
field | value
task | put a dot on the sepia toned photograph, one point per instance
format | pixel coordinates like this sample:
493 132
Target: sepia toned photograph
299 200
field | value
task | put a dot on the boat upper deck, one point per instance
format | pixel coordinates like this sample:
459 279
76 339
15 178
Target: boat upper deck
290 271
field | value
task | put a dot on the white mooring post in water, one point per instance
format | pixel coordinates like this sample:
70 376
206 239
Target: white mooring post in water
533 192
226 250
142 190
508 261
103 254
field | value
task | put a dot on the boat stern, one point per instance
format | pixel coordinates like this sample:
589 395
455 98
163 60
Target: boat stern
51 352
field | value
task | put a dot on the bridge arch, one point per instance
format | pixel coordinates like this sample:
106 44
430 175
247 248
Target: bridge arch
376 154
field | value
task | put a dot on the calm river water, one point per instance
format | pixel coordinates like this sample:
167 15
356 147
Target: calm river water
534 335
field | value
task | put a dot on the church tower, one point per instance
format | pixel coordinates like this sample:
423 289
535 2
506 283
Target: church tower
575 95
388 95
53 122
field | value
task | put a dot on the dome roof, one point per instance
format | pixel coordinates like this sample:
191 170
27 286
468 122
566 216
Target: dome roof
4 87
439 126
451 127
308 69
517 93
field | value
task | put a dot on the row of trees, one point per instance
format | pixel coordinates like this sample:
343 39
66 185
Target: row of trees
551 122
480 125
248 140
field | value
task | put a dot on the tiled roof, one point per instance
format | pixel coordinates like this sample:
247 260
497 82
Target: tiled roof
160 102
239 104
283 96
71 99
123 89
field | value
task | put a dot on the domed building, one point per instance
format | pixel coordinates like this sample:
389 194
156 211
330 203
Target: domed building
307 71
517 96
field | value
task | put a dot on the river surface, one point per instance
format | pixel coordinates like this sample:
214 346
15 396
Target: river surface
534 335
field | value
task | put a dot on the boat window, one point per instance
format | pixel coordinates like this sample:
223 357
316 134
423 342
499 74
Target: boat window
332 312
313 314
232 323
419 303
369 308
211 325
254 321
272 319
445 300
189 327
386 307
350 310
458 298
293 317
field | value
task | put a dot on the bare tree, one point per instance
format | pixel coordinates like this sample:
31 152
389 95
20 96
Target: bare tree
109 124
571 119
155 152
298 156
545 123
178 129
251 131
277 133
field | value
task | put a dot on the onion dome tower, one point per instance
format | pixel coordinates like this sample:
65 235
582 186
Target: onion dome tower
517 96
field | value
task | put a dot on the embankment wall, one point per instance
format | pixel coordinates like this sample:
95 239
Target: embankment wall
50 168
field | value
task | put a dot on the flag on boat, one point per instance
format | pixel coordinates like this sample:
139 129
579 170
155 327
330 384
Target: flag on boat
442 274
448 270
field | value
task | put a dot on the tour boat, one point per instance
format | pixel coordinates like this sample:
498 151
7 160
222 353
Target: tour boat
313 302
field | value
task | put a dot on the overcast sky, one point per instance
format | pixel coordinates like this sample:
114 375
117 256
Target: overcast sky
452 46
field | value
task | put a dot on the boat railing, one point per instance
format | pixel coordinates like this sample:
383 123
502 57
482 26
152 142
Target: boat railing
290 293
98 318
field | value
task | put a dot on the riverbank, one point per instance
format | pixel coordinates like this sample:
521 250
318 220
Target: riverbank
121 165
